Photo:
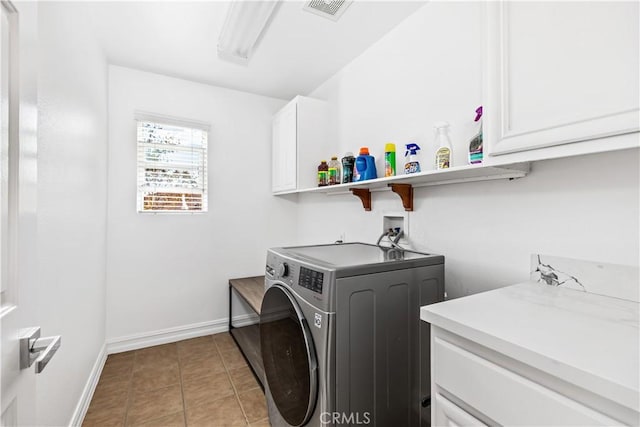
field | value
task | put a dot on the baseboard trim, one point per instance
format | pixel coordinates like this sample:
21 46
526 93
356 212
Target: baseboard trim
148 339
169 335
90 387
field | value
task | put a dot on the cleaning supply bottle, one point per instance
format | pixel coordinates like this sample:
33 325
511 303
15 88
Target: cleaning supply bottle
334 171
348 163
323 174
412 165
475 146
365 165
443 155
390 159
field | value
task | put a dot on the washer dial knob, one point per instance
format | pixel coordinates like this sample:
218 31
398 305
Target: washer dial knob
283 270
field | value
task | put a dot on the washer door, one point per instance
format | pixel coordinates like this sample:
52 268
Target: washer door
289 357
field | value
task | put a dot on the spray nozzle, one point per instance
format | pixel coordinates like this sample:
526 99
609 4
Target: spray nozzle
411 148
478 113
441 126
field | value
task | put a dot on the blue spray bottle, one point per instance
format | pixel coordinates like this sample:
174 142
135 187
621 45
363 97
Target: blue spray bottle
412 164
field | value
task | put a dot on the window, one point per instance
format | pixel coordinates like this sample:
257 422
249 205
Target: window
172 166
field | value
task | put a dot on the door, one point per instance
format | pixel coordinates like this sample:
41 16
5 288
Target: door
288 355
18 173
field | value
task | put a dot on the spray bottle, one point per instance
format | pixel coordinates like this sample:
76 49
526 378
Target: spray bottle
443 155
412 164
475 146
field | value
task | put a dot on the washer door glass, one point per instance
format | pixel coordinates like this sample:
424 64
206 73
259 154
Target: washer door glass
288 355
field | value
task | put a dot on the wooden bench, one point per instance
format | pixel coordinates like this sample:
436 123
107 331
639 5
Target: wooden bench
251 290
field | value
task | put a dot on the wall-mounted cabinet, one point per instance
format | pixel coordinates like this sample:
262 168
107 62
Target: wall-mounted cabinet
298 144
284 149
559 73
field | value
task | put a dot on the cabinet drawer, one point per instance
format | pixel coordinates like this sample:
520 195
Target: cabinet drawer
448 414
502 395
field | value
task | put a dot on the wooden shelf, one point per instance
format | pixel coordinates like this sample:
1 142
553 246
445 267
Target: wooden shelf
248 339
251 289
454 175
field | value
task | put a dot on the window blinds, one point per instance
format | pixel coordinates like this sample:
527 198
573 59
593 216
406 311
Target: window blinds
172 167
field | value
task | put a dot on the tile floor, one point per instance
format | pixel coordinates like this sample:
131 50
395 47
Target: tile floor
198 382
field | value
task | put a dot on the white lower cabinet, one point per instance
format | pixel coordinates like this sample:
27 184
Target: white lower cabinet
490 389
447 413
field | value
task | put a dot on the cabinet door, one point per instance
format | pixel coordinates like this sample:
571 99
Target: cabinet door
560 72
284 149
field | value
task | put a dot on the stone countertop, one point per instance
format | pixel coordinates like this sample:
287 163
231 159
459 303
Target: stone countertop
588 340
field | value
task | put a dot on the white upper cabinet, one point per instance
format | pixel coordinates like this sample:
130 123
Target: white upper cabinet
299 143
284 149
559 73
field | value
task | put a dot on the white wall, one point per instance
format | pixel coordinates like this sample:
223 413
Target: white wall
172 270
72 194
487 230
428 69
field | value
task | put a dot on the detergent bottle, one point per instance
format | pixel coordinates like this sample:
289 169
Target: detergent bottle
348 163
412 164
365 165
390 159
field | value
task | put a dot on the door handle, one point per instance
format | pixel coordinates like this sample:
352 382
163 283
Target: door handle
33 348
45 348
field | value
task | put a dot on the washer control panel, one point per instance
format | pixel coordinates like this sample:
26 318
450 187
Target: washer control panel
311 279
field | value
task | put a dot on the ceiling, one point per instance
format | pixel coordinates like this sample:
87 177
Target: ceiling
297 53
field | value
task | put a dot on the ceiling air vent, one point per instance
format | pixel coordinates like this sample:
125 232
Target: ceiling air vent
330 9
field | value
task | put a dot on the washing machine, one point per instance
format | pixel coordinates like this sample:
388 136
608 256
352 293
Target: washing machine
341 338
